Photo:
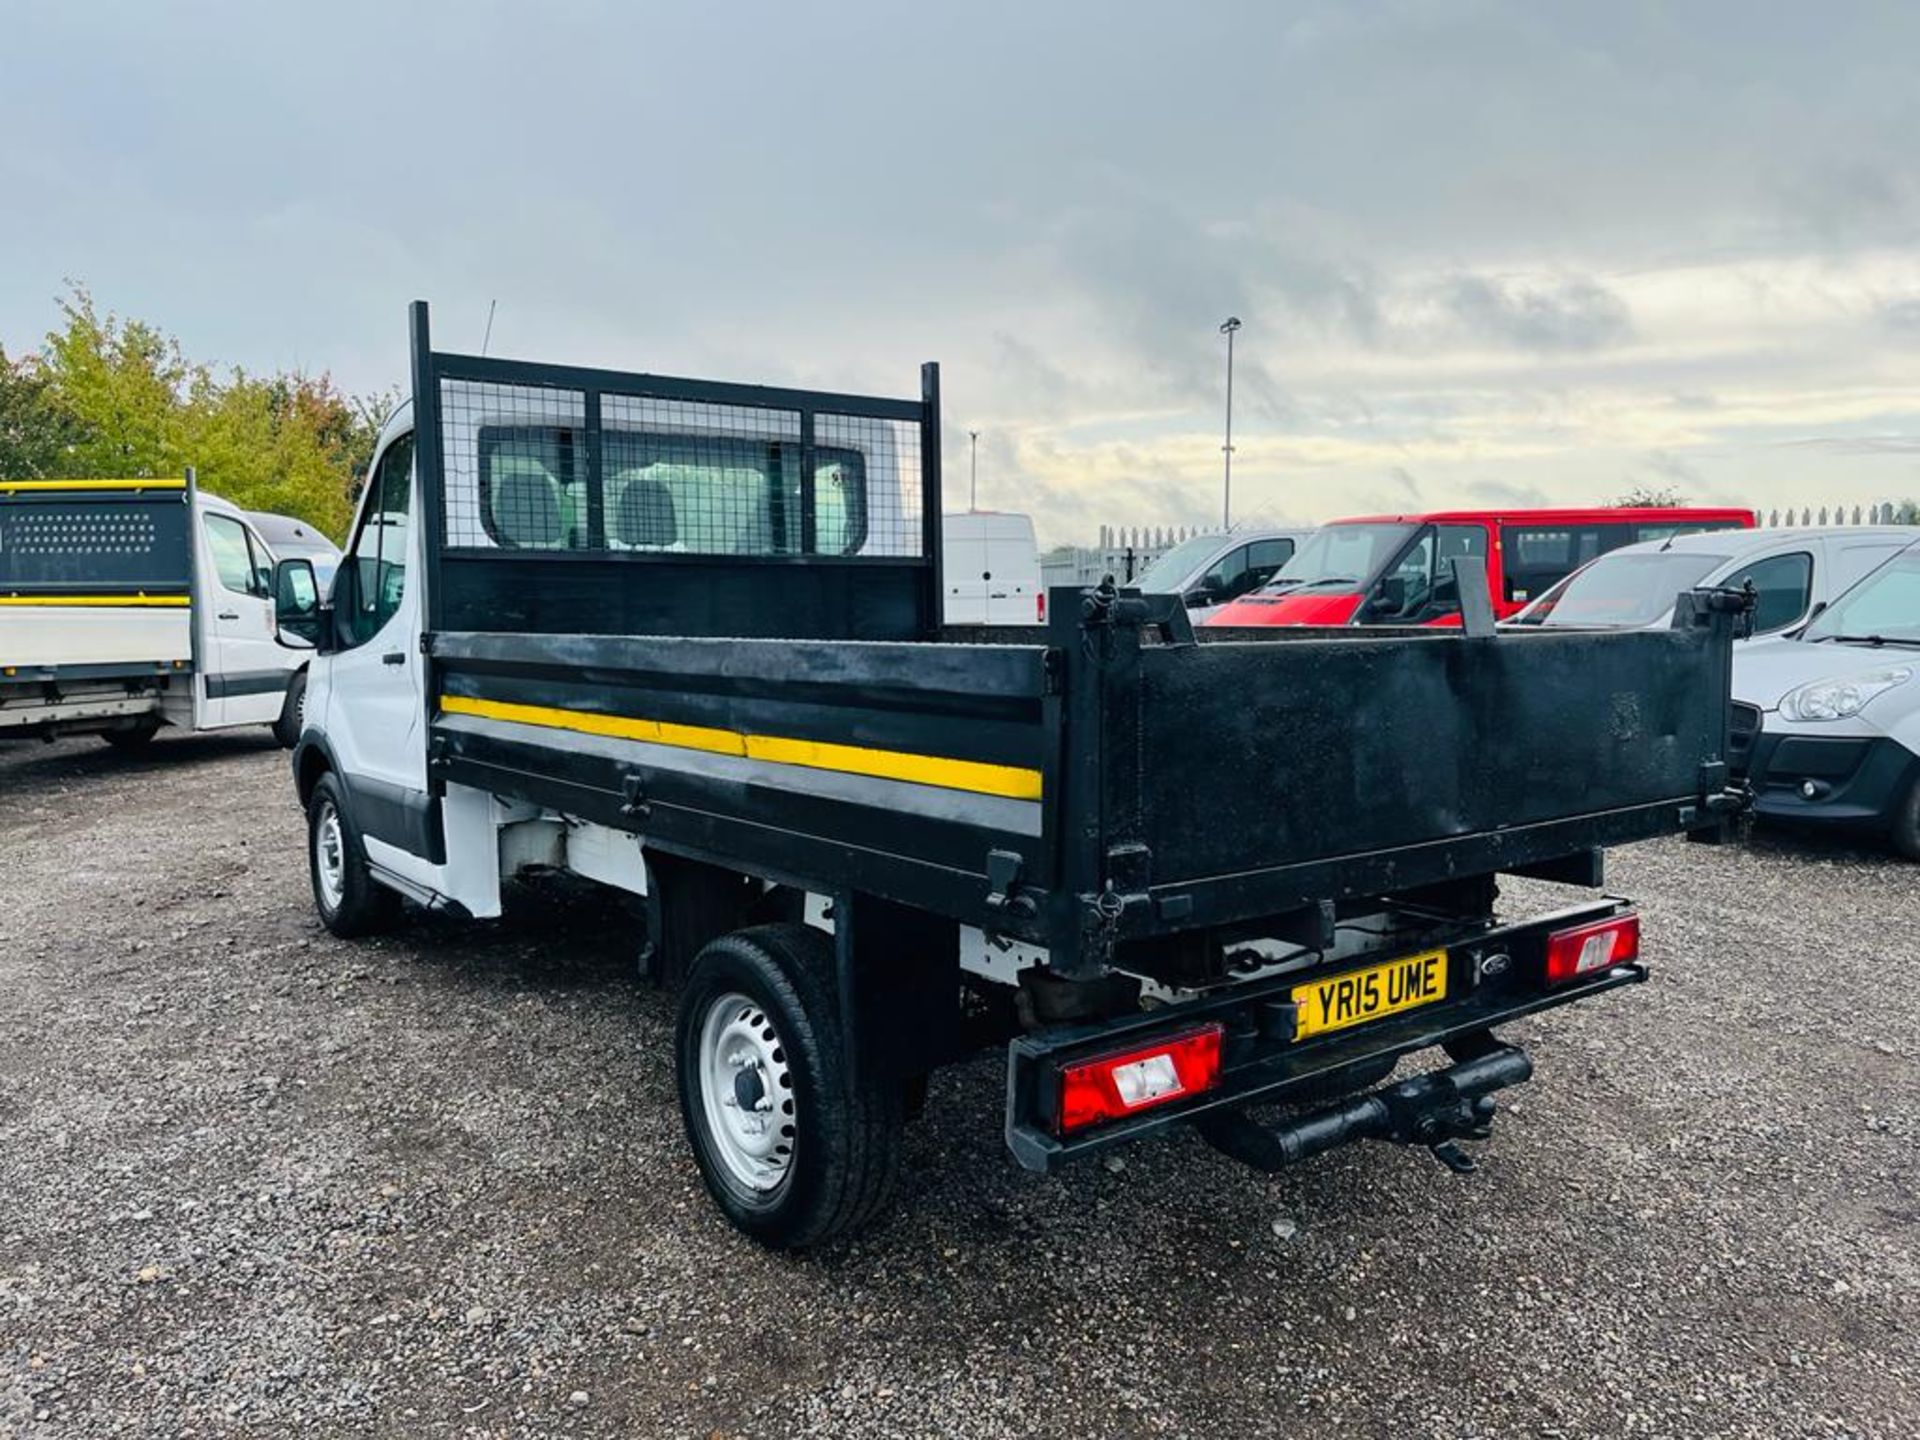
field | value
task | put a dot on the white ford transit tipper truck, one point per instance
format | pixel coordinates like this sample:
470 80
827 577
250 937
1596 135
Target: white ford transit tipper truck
684 638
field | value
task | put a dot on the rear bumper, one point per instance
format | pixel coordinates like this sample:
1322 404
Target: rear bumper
1854 781
1495 976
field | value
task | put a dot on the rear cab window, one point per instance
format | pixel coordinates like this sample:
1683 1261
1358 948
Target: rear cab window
669 494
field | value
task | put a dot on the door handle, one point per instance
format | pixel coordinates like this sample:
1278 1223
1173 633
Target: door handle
394 657
229 614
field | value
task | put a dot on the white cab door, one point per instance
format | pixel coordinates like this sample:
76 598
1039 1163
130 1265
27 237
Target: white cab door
244 667
373 717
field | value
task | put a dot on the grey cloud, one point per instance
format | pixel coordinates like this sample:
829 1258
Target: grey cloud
1574 314
1857 444
1902 317
1505 492
1673 468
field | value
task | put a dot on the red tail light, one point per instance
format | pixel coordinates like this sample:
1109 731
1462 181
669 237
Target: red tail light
1589 949
1129 1081
1040 606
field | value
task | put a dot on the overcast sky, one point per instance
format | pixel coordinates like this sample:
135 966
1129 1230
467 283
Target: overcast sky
1483 251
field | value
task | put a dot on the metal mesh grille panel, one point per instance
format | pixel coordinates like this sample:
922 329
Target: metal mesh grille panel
89 543
526 470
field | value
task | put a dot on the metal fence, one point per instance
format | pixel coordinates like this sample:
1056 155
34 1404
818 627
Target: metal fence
1905 512
1123 552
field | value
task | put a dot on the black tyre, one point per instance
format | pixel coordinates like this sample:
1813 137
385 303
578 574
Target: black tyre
351 903
293 713
793 1148
134 737
1906 822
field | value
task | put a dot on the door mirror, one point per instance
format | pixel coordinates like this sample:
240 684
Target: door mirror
1390 597
1200 597
296 604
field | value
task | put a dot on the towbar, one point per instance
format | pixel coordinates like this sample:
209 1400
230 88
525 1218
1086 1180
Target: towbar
1435 1110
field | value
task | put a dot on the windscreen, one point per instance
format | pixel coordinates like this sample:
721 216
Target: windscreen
1340 557
1164 575
1620 591
1884 607
79 544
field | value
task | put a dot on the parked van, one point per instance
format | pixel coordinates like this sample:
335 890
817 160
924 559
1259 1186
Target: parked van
1209 571
126 605
990 568
1826 721
1398 569
1794 572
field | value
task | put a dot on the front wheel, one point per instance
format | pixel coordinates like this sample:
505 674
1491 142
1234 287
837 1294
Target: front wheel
1906 822
795 1145
350 901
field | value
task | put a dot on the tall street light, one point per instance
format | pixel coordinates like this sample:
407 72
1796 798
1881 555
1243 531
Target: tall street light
1227 328
973 471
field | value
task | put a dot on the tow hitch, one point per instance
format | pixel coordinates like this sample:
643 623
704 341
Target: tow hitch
1436 1110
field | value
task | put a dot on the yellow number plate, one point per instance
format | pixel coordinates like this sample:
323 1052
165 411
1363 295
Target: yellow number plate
1362 995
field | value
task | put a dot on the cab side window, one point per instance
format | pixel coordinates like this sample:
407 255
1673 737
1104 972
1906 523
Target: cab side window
1455 542
1224 578
373 575
1264 559
238 559
1783 586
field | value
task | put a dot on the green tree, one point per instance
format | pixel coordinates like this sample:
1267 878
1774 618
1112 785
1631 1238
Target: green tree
1660 497
35 432
124 383
126 401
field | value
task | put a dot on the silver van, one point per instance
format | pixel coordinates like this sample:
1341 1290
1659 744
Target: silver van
1793 571
1826 721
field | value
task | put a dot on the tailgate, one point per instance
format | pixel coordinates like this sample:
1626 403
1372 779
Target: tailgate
1240 778
95 574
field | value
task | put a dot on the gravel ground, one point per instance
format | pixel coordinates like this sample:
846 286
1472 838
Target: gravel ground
254 1180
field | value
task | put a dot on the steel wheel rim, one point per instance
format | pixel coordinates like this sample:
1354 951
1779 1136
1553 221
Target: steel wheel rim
330 855
746 1092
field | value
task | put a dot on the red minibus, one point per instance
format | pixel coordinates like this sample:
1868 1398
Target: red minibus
1398 569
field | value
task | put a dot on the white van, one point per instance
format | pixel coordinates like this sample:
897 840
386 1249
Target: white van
1826 722
1794 572
990 569
1209 571
126 605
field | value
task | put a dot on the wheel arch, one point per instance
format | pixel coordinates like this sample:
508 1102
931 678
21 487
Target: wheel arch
311 760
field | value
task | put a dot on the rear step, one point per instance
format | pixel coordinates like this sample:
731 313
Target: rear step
1436 1110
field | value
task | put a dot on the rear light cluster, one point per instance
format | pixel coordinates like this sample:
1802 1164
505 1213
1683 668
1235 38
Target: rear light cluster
1587 949
1040 606
1126 1082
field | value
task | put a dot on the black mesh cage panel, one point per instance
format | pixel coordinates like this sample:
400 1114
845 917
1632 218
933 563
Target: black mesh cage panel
81 544
556 468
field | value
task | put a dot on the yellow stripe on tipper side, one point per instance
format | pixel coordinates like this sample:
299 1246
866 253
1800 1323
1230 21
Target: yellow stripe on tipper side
7 486
979 777
100 600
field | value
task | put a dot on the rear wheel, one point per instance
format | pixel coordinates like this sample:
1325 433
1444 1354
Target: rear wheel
350 901
293 713
1906 822
794 1145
